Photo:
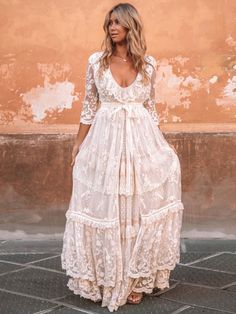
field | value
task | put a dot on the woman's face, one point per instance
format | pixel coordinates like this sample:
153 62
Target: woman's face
116 31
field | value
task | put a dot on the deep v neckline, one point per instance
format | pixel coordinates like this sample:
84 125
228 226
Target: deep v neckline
122 87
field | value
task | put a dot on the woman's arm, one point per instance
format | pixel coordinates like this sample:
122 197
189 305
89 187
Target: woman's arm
150 103
83 130
89 108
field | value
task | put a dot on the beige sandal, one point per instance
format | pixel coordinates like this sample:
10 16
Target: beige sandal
135 297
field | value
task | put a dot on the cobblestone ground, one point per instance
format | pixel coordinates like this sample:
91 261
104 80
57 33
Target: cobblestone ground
32 281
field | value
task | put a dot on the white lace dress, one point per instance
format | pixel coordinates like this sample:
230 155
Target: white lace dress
124 219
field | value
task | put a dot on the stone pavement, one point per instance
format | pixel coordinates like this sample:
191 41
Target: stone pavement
32 281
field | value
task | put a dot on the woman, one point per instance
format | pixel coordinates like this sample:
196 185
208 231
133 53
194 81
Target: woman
124 219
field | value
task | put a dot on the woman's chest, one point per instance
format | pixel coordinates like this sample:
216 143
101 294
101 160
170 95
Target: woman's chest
123 73
109 88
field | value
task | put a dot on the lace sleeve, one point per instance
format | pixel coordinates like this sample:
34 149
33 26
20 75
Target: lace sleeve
90 102
150 103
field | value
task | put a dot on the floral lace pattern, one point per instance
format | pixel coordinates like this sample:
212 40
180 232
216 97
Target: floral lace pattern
124 219
106 89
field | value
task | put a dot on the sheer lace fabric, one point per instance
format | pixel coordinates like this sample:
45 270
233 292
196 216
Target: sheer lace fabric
124 219
106 89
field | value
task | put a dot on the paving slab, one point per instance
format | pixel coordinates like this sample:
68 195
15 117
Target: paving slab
65 310
51 263
36 282
232 288
149 305
191 257
213 299
201 276
51 283
6 267
24 258
222 262
209 246
29 246
18 304
199 310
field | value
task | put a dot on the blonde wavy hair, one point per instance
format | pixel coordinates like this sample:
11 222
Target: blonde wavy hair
129 18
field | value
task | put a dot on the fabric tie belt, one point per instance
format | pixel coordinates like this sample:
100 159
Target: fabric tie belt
126 106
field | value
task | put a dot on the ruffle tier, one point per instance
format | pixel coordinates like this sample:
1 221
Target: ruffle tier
106 264
123 224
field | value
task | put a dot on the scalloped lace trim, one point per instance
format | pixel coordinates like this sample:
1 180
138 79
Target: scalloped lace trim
102 270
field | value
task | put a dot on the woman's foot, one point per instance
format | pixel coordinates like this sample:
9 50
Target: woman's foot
135 297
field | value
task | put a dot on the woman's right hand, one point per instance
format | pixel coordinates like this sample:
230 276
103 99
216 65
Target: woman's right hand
75 151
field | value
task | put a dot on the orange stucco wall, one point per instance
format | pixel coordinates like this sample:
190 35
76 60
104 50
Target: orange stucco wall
45 46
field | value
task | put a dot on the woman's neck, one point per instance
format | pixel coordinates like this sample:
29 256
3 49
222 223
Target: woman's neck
121 50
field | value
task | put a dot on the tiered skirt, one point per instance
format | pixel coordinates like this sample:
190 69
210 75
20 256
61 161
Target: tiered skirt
124 219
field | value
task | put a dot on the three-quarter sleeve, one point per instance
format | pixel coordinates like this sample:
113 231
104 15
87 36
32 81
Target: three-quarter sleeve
150 103
91 98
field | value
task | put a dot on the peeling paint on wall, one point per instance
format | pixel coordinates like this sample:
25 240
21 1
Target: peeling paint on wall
213 79
43 59
51 97
172 89
54 71
228 94
231 41
7 71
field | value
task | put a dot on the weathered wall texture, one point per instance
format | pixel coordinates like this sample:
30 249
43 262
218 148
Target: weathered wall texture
45 45
35 183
